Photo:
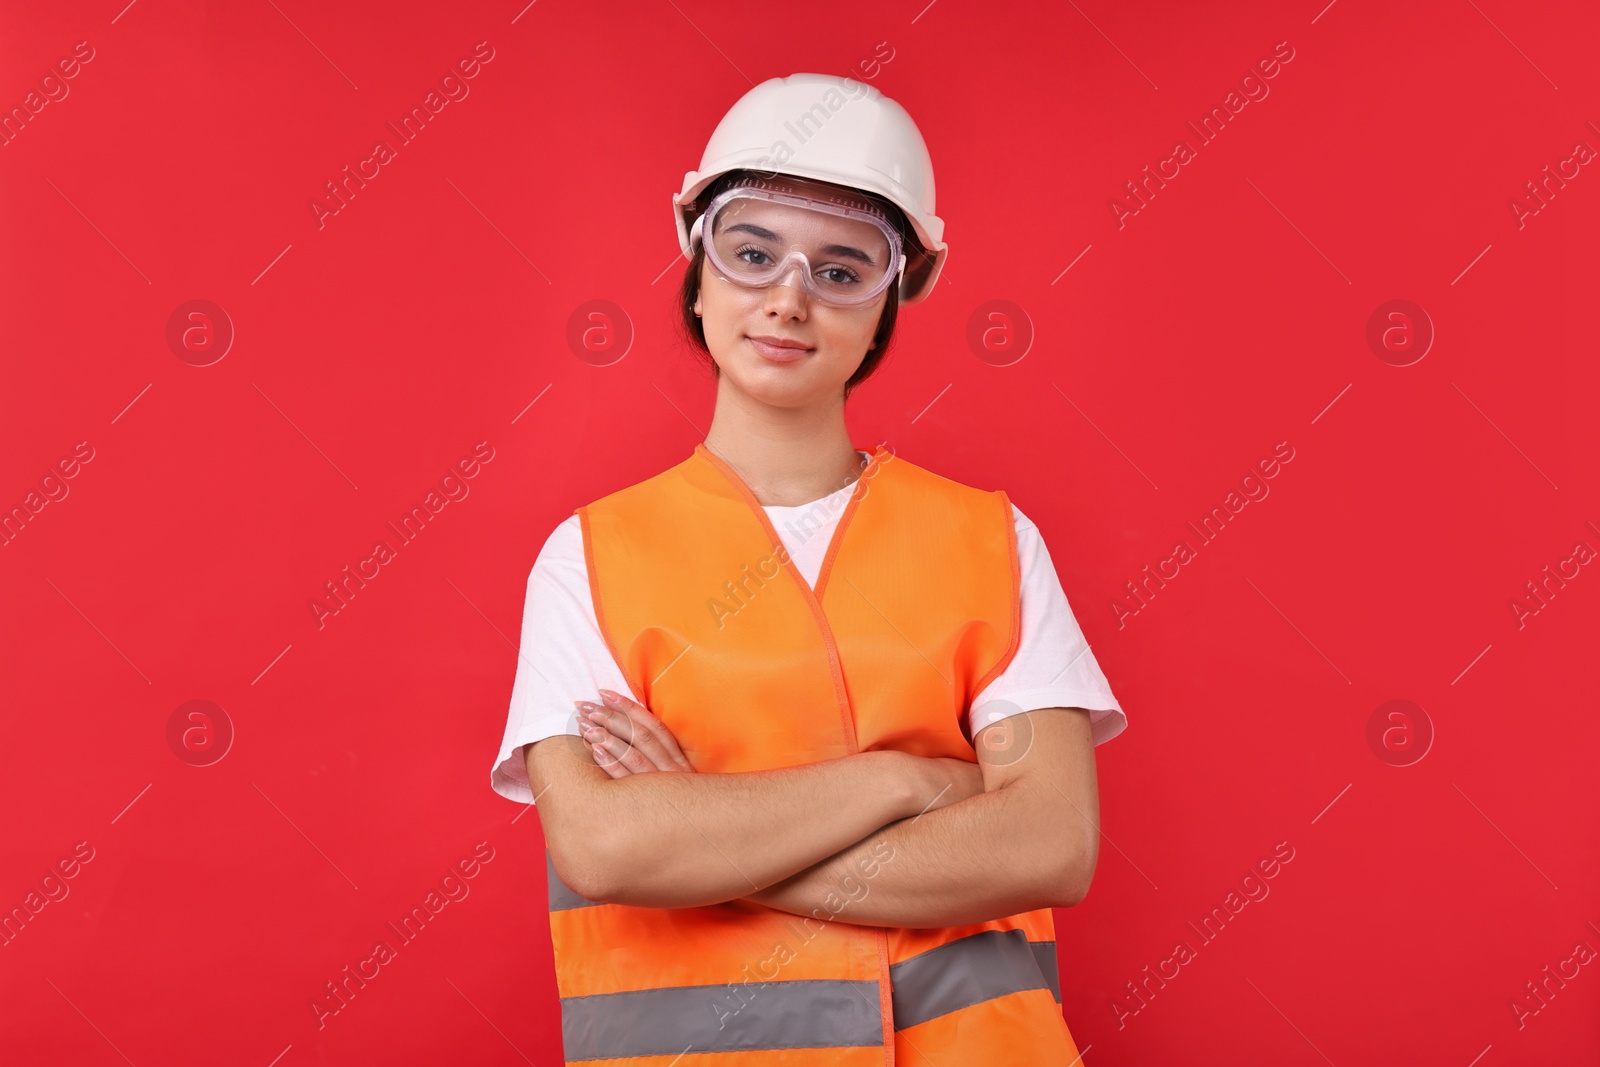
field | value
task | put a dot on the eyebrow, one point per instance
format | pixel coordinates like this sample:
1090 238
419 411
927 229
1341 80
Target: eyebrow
847 251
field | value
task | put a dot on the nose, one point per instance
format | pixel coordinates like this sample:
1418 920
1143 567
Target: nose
787 295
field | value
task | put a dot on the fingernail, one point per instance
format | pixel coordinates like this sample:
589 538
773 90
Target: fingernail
609 695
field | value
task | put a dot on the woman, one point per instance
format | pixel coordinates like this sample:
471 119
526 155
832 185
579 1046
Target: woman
842 764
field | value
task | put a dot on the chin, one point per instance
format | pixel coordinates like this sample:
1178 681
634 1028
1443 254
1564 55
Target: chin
778 386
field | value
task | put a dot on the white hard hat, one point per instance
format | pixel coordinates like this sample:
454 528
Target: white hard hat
830 129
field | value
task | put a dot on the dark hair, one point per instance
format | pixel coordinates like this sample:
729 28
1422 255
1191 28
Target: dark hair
689 290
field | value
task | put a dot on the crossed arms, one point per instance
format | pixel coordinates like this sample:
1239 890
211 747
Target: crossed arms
880 838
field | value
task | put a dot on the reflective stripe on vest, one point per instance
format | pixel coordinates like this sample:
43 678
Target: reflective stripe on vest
561 897
917 604
962 973
1044 954
808 1013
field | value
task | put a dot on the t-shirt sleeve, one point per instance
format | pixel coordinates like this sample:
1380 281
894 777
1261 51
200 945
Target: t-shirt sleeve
562 658
1053 667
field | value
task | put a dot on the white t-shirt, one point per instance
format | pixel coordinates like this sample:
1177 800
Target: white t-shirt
564 657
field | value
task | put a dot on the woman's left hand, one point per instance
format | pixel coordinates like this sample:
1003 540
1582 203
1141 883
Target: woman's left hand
625 738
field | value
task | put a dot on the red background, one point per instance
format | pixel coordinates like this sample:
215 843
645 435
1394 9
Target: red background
374 351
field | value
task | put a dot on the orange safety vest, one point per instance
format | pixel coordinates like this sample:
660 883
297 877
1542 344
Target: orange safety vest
915 610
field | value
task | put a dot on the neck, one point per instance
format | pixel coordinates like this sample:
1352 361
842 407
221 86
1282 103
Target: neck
787 456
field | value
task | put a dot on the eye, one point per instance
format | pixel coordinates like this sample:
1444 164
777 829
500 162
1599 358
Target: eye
756 257
839 275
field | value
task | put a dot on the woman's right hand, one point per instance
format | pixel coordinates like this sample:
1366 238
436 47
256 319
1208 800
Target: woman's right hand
628 739
940 781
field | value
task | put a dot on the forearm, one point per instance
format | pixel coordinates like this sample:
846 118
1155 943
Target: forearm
979 859
685 840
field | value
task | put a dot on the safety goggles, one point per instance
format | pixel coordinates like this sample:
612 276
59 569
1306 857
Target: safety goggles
847 254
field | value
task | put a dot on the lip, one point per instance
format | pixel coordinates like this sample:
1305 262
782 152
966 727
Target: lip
778 349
